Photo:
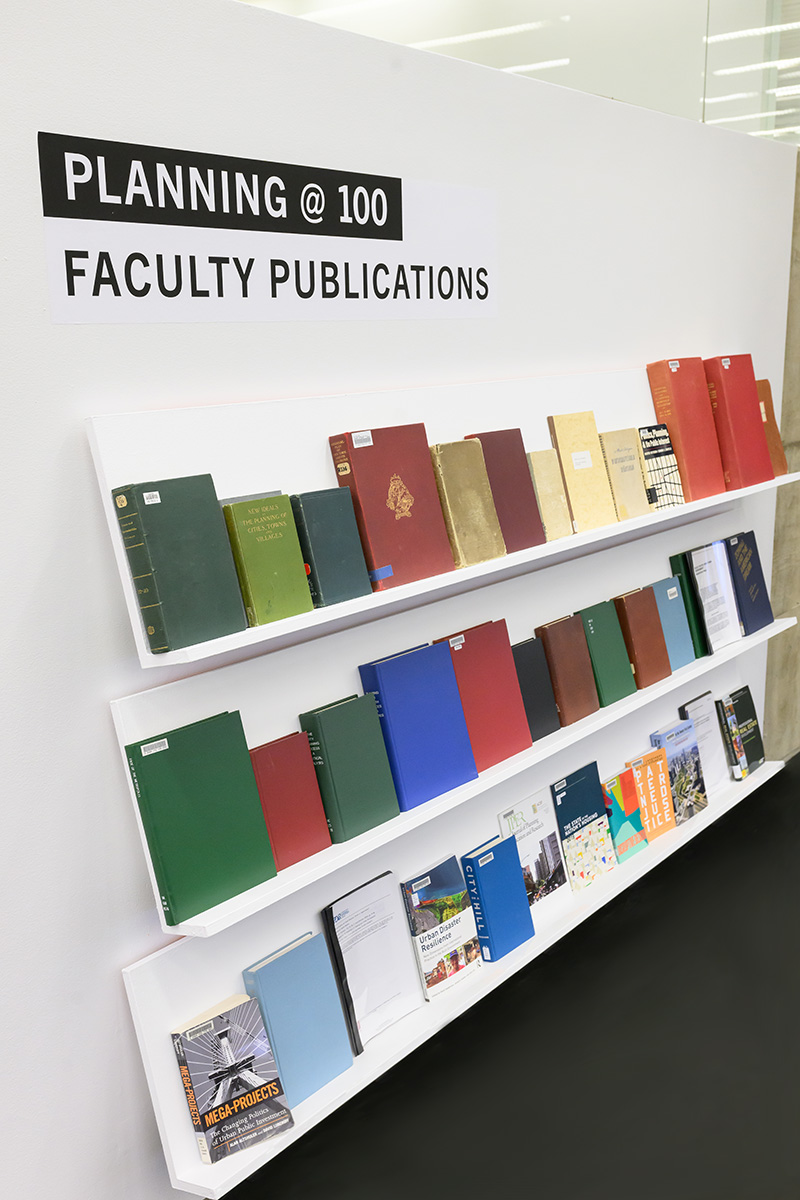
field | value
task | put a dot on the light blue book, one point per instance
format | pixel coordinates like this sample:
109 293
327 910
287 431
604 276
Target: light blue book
674 622
299 1000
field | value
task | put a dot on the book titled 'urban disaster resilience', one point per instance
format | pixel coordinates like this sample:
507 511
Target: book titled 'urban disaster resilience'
442 926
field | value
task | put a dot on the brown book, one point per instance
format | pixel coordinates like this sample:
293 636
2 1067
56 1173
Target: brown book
570 668
622 454
467 504
591 503
512 488
644 636
774 442
550 495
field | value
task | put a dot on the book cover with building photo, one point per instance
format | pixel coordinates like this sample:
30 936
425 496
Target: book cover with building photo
533 823
442 926
685 772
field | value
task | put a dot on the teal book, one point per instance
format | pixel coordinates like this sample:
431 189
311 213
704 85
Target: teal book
180 561
201 813
269 561
682 571
624 816
674 622
331 546
612 668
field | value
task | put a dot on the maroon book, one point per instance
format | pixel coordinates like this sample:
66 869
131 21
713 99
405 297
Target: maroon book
490 693
644 636
737 415
570 668
512 488
287 784
396 502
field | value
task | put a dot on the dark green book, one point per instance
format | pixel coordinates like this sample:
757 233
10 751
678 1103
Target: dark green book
353 772
326 526
610 663
201 814
269 561
181 562
680 567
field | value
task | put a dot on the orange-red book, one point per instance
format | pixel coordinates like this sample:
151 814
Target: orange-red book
737 415
682 403
651 776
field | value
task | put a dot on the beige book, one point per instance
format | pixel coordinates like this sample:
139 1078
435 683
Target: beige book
550 494
591 503
467 504
622 453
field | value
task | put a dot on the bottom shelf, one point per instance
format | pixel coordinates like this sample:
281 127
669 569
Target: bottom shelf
154 985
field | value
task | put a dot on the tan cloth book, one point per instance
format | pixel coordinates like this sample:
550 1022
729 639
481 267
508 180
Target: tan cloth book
466 498
550 494
622 453
777 453
591 503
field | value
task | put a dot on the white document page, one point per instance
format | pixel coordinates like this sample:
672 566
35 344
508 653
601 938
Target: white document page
712 575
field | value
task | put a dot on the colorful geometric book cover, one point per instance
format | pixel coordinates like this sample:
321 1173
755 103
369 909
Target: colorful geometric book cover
624 818
685 771
651 776
583 825
233 1090
662 475
532 822
442 926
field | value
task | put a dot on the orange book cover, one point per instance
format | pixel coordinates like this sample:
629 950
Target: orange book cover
774 442
682 403
651 776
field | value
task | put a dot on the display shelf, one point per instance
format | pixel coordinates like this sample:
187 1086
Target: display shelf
160 990
295 878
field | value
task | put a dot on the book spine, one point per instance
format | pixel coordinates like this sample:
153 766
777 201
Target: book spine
340 452
155 857
186 1079
340 974
551 425
327 784
447 510
473 890
607 466
727 738
128 502
307 550
237 550
251 986
371 683
726 436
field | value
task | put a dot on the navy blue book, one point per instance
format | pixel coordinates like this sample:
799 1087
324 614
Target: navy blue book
422 721
583 825
496 889
674 622
752 597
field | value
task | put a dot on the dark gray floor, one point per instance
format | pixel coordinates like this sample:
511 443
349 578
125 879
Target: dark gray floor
653 1054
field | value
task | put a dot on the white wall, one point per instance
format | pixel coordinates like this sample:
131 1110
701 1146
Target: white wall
624 236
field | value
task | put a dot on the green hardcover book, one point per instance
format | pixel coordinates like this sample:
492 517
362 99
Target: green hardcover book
269 561
181 562
680 567
610 663
201 813
331 547
353 772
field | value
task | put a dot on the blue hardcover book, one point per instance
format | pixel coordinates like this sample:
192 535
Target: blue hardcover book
422 721
583 825
674 622
299 1001
752 597
496 888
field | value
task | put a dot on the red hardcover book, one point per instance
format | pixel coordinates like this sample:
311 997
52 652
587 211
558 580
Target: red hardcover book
644 636
399 517
682 403
287 784
490 694
512 488
740 429
570 668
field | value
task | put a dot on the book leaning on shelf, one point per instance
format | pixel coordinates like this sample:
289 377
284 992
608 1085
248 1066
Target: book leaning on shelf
269 561
583 824
740 732
442 925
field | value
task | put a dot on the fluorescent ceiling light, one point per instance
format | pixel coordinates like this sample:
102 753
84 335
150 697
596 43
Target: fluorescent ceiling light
778 112
746 33
730 96
774 132
794 90
460 38
344 10
540 66
779 64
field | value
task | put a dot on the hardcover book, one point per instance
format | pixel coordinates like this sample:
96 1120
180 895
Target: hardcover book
713 583
512 488
399 517
498 897
536 687
290 799
422 721
331 547
532 822
353 772
490 694
651 777
662 476
570 668
622 455
591 504
442 926
612 668
674 622
644 637
713 758
624 817
752 597
298 996
740 732
583 825
737 416
269 561
467 503
548 485
686 781
777 454
232 1086
201 814
682 403
180 560
681 567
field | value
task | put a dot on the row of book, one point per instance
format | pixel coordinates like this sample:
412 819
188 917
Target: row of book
391 945
405 511
430 719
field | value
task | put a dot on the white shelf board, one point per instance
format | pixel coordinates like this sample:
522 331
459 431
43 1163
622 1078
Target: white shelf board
293 879
152 984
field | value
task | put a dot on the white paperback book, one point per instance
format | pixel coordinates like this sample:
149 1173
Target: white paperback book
533 823
712 575
713 760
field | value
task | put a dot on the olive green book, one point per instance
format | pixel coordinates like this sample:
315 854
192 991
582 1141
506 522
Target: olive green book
610 663
269 561
550 495
467 502
201 813
353 772
679 566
